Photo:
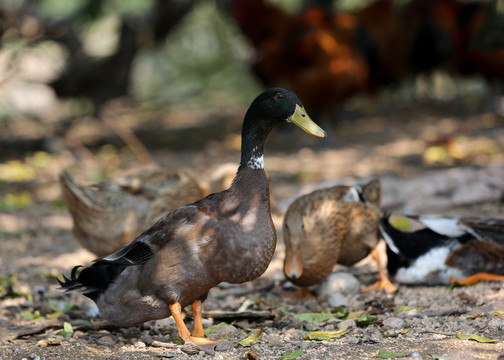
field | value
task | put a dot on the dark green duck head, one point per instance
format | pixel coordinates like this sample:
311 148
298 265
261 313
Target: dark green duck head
272 107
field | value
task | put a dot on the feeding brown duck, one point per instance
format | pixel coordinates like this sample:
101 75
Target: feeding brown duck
111 214
226 237
329 226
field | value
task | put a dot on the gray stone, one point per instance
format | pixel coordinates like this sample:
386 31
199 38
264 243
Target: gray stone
224 332
107 340
139 344
394 323
340 282
348 323
337 299
224 345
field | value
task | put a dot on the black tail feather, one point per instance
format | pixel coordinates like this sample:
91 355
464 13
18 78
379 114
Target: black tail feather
93 280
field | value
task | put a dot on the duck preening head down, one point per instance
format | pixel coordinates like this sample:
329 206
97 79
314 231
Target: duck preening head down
447 249
225 237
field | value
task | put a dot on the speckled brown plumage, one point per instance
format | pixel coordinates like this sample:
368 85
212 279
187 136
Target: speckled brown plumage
329 226
111 214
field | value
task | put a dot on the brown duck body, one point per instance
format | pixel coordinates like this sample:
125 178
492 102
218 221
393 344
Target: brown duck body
111 214
330 226
245 241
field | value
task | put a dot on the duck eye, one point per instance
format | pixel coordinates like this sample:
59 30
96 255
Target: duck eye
279 96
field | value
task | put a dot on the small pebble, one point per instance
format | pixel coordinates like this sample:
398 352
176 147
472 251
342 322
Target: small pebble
147 339
34 356
340 282
348 323
416 354
393 323
224 345
501 326
106 340
224 332
140 344
190 349
337 299
494 324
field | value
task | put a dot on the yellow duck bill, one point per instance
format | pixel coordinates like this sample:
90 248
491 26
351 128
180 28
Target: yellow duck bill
301 119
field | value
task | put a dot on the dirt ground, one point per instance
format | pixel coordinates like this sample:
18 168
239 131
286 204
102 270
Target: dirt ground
429 161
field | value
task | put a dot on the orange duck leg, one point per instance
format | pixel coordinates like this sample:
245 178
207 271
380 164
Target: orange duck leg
201 341
473 279
383 282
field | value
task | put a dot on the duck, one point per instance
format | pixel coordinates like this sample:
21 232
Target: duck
446 250
112 213
227 236
336 225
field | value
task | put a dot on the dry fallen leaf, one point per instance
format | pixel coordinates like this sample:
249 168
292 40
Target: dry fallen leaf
475 338
325 335
252 338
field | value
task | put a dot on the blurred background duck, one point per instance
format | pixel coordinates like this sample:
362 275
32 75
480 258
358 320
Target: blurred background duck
111 214
329 226
448 249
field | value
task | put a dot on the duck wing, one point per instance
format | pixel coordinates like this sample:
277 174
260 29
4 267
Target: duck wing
485 228
478 256
143 248
443 225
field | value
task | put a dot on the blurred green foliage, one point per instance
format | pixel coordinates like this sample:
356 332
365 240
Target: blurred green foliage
203 64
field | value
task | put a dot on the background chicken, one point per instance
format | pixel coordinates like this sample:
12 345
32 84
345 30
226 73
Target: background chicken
327 56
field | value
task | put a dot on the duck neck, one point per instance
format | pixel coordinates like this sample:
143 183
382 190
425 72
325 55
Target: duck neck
253 138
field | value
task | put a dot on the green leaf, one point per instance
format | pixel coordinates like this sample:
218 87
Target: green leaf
408 308
67 330
384 354
32 316
455 284
53 306
437 357
474 337
211 329
311 317
365 320
393 335
252 338
13 201
293 355
70 307
54 315
340 312
356 314
325 335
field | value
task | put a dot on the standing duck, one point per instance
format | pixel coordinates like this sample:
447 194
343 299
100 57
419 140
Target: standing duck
448 249
225 237
111 214
329 226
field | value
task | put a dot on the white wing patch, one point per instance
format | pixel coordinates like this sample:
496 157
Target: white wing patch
390 242
447 226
